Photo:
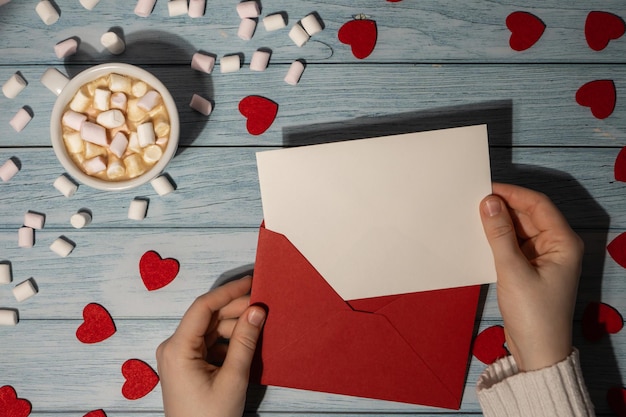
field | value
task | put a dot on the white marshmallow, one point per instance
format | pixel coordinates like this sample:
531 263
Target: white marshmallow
203 63
8 170
246 29
73 120
81 102
119 101
47 12
94 165
66 48
102 99
115 169
274 22
133 142
230 63
65 186
118 145
73 142
196 8
94 133
144 7
89 4
259 60
24 290
6 275
54 80
119 83
13 86
294 73
8 317
248 9
152 153
20 119
201 105
145 134
149 100
34 220
134 165
298 35
311 24
177 7
62 246
162 185
113 43
137 209
25 237
139 88
80 219
111 119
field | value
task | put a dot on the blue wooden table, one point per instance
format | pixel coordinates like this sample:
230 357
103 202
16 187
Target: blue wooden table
436 64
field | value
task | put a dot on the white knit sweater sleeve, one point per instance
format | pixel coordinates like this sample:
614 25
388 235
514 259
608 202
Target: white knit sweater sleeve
558 390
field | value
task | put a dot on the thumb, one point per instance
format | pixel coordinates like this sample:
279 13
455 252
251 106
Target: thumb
243 341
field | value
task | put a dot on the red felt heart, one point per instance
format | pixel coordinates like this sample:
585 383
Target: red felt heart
96 413
600 319
620 165
601 28
97 326
599 95
157 272
260 113
489 345
616 398
361 35
526 29
617 249
10 405
140 379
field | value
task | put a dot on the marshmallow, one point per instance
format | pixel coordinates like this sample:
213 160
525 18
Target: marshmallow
311 24
294 73
274 22
91 151
8 170
259 60
298 35
203 63
3 2
54 80
73 142
248 9
162 185
47 12
119 83
94 133
138 209
66 48
20 120
145 134
89 4
73 120
134 165
115 169
177 7
13 86
80 219
201 105
6 275
94 165
102 99
113 43
152 153
119 100
230 63
111 119
24 290
161 128
139 88
149 100
62 246
81 102
144 7
8 317
196 8
25 237
34 220
65 186
246 29
118 145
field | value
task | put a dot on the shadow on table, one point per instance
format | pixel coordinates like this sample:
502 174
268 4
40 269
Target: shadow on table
157 52
578 206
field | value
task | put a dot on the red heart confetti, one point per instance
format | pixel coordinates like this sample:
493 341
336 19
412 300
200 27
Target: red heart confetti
617 249
599 95
157 272
361 35
96 413
600 319
620 165
140 379
97 326
489 345
616 398
526 29
260 113
601 28
11 405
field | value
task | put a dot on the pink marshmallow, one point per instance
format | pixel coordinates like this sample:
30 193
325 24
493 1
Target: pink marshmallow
246 29
144 7
196 8
248 9
8 170
118 144
201 105
119 101
73 120
20 120
66 48
149 100
95 165
94 133
203 63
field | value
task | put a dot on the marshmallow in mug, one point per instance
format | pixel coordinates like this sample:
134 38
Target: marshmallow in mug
116 127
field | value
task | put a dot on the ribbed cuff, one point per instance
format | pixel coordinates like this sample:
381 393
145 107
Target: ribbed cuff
558 390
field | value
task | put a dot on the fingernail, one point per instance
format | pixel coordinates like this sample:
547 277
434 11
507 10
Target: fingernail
256 317
492 207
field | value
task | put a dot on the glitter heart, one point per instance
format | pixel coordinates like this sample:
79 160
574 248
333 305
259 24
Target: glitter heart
260 113
140 379
601 28
489 345
526 29
157 272
97 324
361 35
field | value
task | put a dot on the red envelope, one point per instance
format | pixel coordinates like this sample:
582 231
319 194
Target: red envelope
411 348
